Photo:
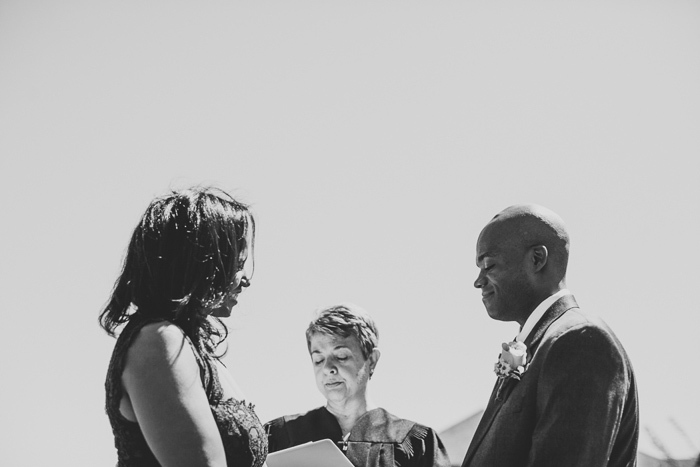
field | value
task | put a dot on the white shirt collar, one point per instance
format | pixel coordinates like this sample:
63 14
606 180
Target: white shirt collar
537 314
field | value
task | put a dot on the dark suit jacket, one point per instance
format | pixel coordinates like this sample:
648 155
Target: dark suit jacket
575 406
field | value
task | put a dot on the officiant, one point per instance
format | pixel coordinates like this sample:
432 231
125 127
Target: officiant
343 345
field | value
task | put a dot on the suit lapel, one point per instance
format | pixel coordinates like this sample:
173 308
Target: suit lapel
557 309
484 424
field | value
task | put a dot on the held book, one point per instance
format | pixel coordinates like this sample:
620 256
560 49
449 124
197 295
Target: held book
323 453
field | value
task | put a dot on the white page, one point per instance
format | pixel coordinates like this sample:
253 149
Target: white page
323 453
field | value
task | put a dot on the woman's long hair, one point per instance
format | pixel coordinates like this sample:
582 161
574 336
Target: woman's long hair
181 263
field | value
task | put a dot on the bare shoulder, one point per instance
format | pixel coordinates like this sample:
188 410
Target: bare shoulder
160 333
160 343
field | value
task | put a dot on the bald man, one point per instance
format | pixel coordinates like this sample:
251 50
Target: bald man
565 394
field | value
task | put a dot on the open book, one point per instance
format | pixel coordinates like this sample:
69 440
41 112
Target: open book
323 453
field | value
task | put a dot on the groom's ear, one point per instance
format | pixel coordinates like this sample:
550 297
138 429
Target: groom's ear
538 256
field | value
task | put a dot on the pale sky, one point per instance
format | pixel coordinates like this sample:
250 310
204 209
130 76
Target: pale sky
373 141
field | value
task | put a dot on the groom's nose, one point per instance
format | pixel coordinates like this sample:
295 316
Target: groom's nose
479 282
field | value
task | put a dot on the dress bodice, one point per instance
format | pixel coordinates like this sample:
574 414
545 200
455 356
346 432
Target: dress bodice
243 436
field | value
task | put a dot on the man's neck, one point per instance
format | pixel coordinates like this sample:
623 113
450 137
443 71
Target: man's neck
528 325
538 298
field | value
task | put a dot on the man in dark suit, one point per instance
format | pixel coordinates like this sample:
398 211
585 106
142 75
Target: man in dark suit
567 397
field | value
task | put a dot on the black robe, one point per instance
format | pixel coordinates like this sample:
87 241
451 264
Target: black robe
378 439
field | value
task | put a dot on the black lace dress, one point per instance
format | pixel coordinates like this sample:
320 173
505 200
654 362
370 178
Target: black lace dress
244 438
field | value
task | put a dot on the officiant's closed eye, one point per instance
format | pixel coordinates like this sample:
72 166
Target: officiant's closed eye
343 345
341 369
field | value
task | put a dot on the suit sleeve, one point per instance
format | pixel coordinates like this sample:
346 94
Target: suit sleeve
583 388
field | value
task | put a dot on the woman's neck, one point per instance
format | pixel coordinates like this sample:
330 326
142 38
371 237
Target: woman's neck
348 412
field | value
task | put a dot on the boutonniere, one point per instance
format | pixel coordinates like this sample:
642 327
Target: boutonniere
511 364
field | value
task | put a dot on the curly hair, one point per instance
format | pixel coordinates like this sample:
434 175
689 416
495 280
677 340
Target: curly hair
345 320
181 263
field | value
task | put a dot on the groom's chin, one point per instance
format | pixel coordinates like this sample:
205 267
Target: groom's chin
497 314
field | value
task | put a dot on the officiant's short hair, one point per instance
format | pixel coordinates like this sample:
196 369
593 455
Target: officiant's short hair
344 320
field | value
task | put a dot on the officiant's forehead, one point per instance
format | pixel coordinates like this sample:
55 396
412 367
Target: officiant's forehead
322 342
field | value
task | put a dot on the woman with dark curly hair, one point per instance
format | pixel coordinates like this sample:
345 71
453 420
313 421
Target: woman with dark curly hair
170 400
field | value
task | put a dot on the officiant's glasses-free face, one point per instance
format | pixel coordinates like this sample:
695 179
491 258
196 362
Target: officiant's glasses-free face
340 368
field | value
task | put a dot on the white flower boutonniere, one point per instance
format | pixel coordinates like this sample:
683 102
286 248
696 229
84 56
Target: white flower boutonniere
511 363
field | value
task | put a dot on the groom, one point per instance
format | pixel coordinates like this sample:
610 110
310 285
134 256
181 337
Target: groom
567 397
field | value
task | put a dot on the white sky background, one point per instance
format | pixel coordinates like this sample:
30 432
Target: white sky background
373 140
